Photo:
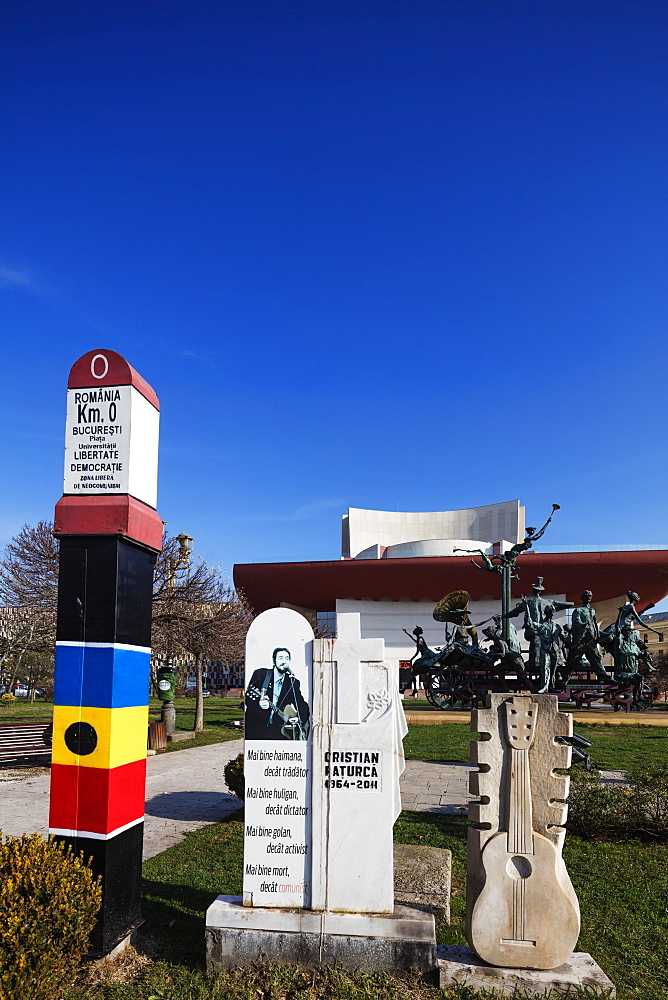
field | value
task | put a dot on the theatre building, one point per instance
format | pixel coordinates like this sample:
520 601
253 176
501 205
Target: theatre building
395 567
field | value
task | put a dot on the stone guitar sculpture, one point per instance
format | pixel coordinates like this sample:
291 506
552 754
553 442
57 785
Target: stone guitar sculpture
523 911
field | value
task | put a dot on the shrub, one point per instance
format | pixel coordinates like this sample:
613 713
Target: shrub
595 808
48 905
7 699
648 799
639 806
234 776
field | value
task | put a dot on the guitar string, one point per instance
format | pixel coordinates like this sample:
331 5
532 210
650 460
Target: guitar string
520 824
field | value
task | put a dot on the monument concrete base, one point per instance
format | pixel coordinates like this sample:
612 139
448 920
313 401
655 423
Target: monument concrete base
422 878
462 966
181 736
237 935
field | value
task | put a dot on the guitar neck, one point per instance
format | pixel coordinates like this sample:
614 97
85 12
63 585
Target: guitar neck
520 819
521 715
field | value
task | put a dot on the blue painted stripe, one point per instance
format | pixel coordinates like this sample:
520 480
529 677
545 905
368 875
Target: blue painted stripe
101 675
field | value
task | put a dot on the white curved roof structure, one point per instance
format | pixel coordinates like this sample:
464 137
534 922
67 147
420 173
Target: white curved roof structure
368 534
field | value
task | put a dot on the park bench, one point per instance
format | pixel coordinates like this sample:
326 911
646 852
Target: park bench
620 696
25 743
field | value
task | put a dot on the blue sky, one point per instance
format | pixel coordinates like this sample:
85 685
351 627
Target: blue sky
397 254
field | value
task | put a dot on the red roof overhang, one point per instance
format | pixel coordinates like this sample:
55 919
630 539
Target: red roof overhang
317 585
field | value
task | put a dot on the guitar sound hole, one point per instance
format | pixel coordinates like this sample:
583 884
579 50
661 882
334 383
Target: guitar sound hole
518 867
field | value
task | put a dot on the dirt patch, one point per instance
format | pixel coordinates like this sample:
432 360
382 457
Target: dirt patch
19 773
128 967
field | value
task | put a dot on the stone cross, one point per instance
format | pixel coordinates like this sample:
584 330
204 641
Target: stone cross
358 726
356 661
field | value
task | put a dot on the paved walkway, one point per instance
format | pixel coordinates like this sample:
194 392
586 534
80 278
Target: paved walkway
436 786
186 789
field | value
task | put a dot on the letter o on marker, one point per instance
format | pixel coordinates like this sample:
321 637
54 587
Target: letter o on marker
102 358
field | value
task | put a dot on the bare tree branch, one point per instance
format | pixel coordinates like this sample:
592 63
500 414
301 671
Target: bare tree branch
29 568
29 593
195 609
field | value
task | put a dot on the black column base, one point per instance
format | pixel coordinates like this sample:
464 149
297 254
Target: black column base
118 861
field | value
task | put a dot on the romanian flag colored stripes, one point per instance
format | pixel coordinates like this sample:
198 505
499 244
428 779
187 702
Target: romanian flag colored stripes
120 736
96 802
100 720
101 674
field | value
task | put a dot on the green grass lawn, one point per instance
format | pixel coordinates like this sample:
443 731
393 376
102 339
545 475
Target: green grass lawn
614 747
623 892
217 711
447 742
19 711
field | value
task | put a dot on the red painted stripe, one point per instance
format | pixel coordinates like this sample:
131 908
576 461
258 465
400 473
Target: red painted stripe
109 515
116 371
96 799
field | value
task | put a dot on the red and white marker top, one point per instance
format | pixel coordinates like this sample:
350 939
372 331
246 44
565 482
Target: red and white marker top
105 368
111 451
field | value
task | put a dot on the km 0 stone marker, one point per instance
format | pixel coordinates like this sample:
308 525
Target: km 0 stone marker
110 534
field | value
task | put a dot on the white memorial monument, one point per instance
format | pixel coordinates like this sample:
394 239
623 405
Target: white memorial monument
322 760
277 761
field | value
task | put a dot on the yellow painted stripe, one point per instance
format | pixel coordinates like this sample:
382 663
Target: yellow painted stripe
121 735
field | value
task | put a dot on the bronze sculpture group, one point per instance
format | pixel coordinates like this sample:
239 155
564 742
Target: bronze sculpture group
555 652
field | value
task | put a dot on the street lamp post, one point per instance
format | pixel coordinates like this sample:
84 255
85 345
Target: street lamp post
166 673
504 564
